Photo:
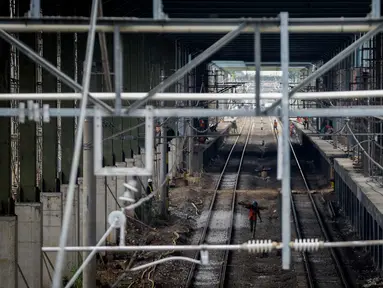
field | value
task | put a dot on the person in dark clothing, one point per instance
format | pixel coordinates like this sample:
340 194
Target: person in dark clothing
234 126
306 123
149 188
253 214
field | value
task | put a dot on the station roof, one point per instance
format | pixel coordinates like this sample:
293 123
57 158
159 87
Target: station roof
303 47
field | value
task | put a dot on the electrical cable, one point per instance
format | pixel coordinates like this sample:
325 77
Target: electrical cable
364 151
154 193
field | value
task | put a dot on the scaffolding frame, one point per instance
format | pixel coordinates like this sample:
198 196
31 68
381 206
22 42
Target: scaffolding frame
283 25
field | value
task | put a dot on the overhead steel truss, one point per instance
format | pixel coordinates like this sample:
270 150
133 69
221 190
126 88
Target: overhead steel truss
161 24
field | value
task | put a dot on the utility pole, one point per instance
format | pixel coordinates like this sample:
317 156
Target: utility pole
163 164
89 203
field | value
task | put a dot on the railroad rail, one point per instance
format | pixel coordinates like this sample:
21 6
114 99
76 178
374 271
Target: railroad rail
220 214
309 224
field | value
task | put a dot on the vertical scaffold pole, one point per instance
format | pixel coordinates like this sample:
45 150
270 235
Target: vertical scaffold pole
60 260
286 229
89 203
163 166
257 60
189 128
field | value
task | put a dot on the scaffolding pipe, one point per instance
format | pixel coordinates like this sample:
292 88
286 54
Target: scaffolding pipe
189 66
327 95
48 66
131 25
359 111
60 260
89 201
286 226
330 64
104 54
163 162
257 60
208 247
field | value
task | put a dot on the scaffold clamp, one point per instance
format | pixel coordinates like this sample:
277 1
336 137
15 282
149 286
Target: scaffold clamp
35 113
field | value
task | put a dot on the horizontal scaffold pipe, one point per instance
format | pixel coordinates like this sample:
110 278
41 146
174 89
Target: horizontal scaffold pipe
135 25
358 111
196 96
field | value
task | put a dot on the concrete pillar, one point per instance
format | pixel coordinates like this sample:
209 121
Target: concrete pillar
5 159
141 211
80 192
130 79
27 130
117 142
74 230
50 129
5 143
180 153
68 123
108 131
29 236
171 159
5 122
52 219
102 204
112 197
8 251
198 161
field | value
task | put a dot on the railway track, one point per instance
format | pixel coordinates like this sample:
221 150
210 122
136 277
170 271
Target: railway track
324 267
219 219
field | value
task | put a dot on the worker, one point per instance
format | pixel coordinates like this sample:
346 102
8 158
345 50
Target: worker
149 188
234 126
306 123
253 213
264 172
275 126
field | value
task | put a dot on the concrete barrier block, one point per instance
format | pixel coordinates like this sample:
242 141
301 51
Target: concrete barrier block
8 252
29 232
80 194
102 213
180 153
51 218
74 235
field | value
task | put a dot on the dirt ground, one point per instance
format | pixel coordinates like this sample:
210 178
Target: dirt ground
185 206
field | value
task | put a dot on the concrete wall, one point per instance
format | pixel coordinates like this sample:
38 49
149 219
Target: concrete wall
29 232
52 218
203 154
363 207
8 252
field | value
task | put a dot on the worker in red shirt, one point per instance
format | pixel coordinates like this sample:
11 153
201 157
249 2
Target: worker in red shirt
253 213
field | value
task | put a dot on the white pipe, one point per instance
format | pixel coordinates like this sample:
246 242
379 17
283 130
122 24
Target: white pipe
244 246
195 96
189 28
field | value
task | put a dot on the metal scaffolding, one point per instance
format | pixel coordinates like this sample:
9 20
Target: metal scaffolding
283 25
